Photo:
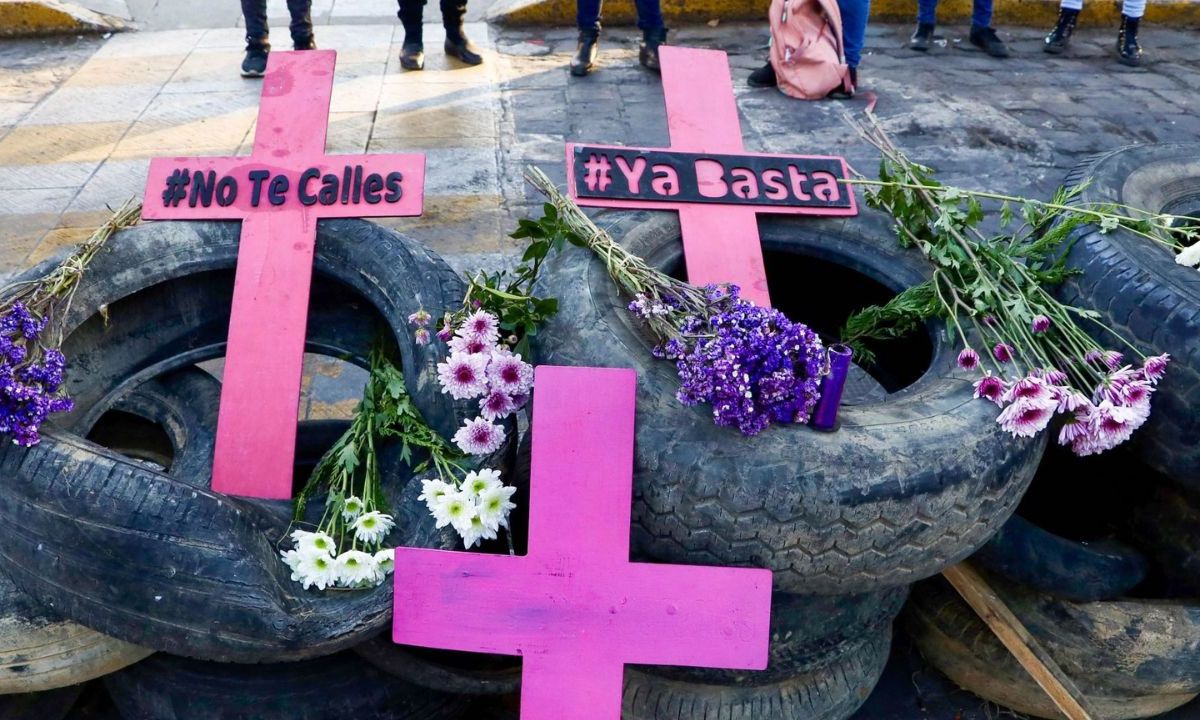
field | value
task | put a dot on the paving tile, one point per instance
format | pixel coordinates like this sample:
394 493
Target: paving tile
349 132
58 242
19 235
465 118
93 104
217 135
132 45
113 183
458 171
357 87
107 71
25 201
49 175
81 142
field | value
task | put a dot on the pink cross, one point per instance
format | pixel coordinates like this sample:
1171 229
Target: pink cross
278 192
718 212
575 608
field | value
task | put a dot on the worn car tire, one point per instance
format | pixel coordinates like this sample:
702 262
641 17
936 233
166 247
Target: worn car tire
1141 292
47 705
165 288
908 485
1130 658
165 687
1167 528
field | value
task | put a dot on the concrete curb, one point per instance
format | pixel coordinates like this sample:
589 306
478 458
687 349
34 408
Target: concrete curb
23 18
1027 13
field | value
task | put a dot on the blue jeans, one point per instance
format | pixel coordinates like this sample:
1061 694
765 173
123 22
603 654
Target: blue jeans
854 28
981 13
649 13
255 12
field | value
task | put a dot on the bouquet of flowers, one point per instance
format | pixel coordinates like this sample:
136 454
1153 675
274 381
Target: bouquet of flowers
1036 361
32 314
751 364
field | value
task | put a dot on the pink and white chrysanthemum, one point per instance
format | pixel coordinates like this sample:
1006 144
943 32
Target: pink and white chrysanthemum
496 404
470 345
464 376
509 374
480 325
1029 388
479 437
991 388
1027 417
1155 367
1040 323
1113 424
1069 400
1113 359
1054 376
1073 431
968 359
519 400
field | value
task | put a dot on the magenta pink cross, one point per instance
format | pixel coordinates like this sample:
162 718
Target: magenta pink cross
575 608
720 240
278 192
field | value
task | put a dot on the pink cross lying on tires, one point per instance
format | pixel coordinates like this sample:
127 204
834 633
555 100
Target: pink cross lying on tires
575 608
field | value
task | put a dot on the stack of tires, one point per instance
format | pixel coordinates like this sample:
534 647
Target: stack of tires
916 478
1101 561
117 561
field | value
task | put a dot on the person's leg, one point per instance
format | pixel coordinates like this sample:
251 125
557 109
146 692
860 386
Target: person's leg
301 27
457 43
1128 50
587 19
1060 35
258 43
412 53
982 34
927 12
922 37
650 20
854 29
255 14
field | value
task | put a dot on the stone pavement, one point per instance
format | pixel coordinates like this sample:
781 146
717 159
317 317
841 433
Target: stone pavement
80 118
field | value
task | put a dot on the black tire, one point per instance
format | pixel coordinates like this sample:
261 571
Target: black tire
1068 569
166 287
908 485
1130 658
1141 292
1167 528
827 687
341 686
48 705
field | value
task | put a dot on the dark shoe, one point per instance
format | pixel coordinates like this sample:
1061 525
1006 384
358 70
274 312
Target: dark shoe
463 49
842 92
1060 37
987 40
922 37
763 77
255 64
648 53
585 52
305 43
412 55
1128 51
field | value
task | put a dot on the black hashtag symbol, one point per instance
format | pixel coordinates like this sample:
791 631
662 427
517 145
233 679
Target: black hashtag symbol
597 177
177 185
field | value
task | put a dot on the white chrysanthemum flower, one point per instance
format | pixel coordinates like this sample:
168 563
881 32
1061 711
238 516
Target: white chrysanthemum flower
433 490
464 376
509 374
494 506
1190 255
352 508
385 562
356 568
455 508
479 437
480 325
317 569
373 527
292 559
478 481
315 543
475 531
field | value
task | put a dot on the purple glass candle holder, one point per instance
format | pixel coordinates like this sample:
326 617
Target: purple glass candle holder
825 417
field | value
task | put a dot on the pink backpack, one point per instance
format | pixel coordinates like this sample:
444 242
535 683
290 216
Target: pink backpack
806 48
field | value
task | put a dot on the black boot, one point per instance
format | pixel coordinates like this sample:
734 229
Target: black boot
255 63
1128 50
986 39
586 52
412 52
1060 36
763 77
458 44
842 92
922 37
648 53
307 42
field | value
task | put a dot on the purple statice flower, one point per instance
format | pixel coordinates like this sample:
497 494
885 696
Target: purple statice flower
31 378
1003 352
752 365
1041 323
968 359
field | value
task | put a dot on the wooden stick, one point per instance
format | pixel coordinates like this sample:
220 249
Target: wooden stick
1023 646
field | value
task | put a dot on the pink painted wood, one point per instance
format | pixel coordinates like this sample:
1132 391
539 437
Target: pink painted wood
720 242
256 429
575 609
